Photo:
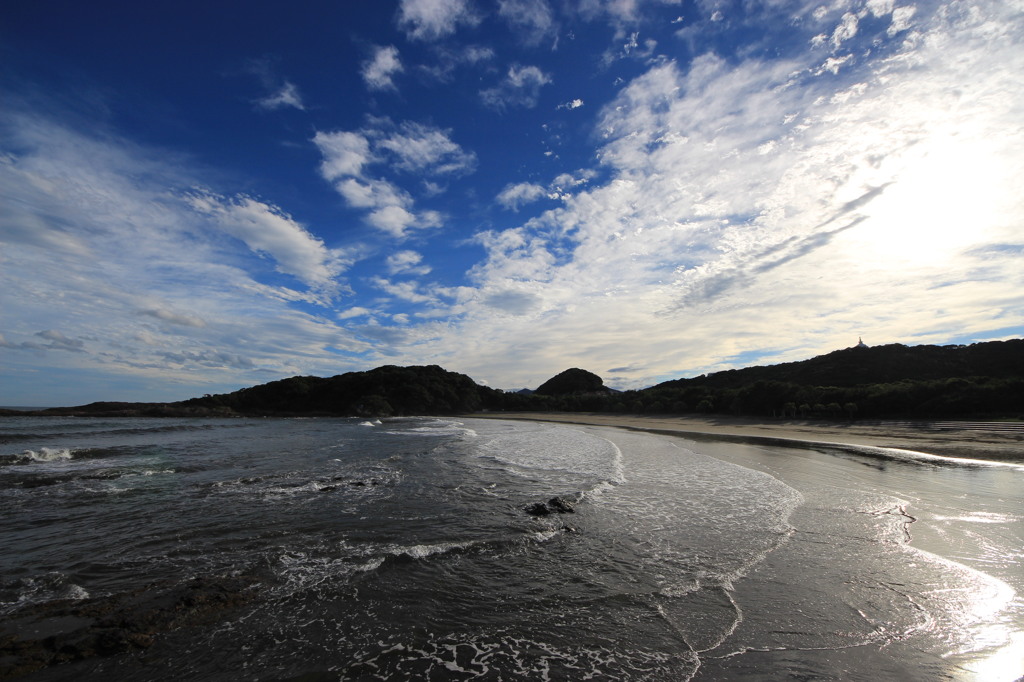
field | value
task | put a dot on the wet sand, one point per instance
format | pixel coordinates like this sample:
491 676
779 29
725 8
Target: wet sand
997 441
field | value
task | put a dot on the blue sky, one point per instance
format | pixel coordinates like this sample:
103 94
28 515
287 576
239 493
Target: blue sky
197 197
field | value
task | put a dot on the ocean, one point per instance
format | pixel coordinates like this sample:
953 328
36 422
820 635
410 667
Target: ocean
404 550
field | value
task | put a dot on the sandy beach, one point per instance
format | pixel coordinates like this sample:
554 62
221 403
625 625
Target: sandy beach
1002 441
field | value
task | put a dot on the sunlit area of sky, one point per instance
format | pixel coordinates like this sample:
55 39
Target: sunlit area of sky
201 196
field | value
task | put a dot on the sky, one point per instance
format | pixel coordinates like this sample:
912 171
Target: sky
201 196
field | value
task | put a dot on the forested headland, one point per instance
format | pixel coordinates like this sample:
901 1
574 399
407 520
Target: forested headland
882 382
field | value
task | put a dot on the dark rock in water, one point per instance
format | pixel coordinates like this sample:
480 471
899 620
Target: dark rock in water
538 509
561 505
358 484
60 631
556 505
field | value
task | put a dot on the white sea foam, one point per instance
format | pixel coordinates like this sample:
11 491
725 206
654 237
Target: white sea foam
48 454
439 427
545 535
557 448
424 551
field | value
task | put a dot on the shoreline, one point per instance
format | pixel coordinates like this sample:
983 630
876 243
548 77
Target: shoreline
979 441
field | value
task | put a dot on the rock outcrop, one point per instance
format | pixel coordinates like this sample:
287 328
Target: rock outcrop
63 631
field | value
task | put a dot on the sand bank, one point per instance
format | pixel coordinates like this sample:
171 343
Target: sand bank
1000 441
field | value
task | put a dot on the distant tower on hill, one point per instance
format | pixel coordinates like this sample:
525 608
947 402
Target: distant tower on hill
860 343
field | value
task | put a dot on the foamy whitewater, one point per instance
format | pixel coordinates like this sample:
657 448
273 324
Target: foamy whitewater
400 549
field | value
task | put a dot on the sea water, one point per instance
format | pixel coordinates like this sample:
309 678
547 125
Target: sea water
401 550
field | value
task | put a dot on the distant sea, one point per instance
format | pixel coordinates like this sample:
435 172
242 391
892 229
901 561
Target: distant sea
402 550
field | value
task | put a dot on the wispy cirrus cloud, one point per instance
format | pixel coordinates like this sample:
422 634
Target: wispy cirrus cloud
534 20
448 59
286 96
280 92
753 200
129 270
268 230
520 88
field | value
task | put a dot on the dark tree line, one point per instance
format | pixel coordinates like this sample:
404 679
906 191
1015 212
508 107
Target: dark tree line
381 392
983 379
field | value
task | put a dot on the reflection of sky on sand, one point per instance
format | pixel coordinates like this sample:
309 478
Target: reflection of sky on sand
977 517
1005 663
987 643
952 590
911 455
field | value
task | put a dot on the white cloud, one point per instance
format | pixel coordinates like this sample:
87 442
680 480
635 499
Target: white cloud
395 220
520 88
532 18
411 148
515 195
379 70
845 30
266 229
901 18
142 273
356 311
372 193
419 148
286 96
746 199
433 19
407 291
880 8
571 104
344 153
407 263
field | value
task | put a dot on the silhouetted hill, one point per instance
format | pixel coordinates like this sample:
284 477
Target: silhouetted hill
983 379
980 380
878 365
382 392
572 381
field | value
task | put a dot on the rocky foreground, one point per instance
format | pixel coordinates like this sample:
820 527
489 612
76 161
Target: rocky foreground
73 630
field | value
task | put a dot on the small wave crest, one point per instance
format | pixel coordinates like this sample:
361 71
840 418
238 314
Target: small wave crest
47 454
428 550
39 589
438 427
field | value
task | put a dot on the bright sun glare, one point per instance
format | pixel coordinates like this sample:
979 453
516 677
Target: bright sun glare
944 198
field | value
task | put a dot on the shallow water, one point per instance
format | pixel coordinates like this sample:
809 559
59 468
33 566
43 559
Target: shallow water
401 550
